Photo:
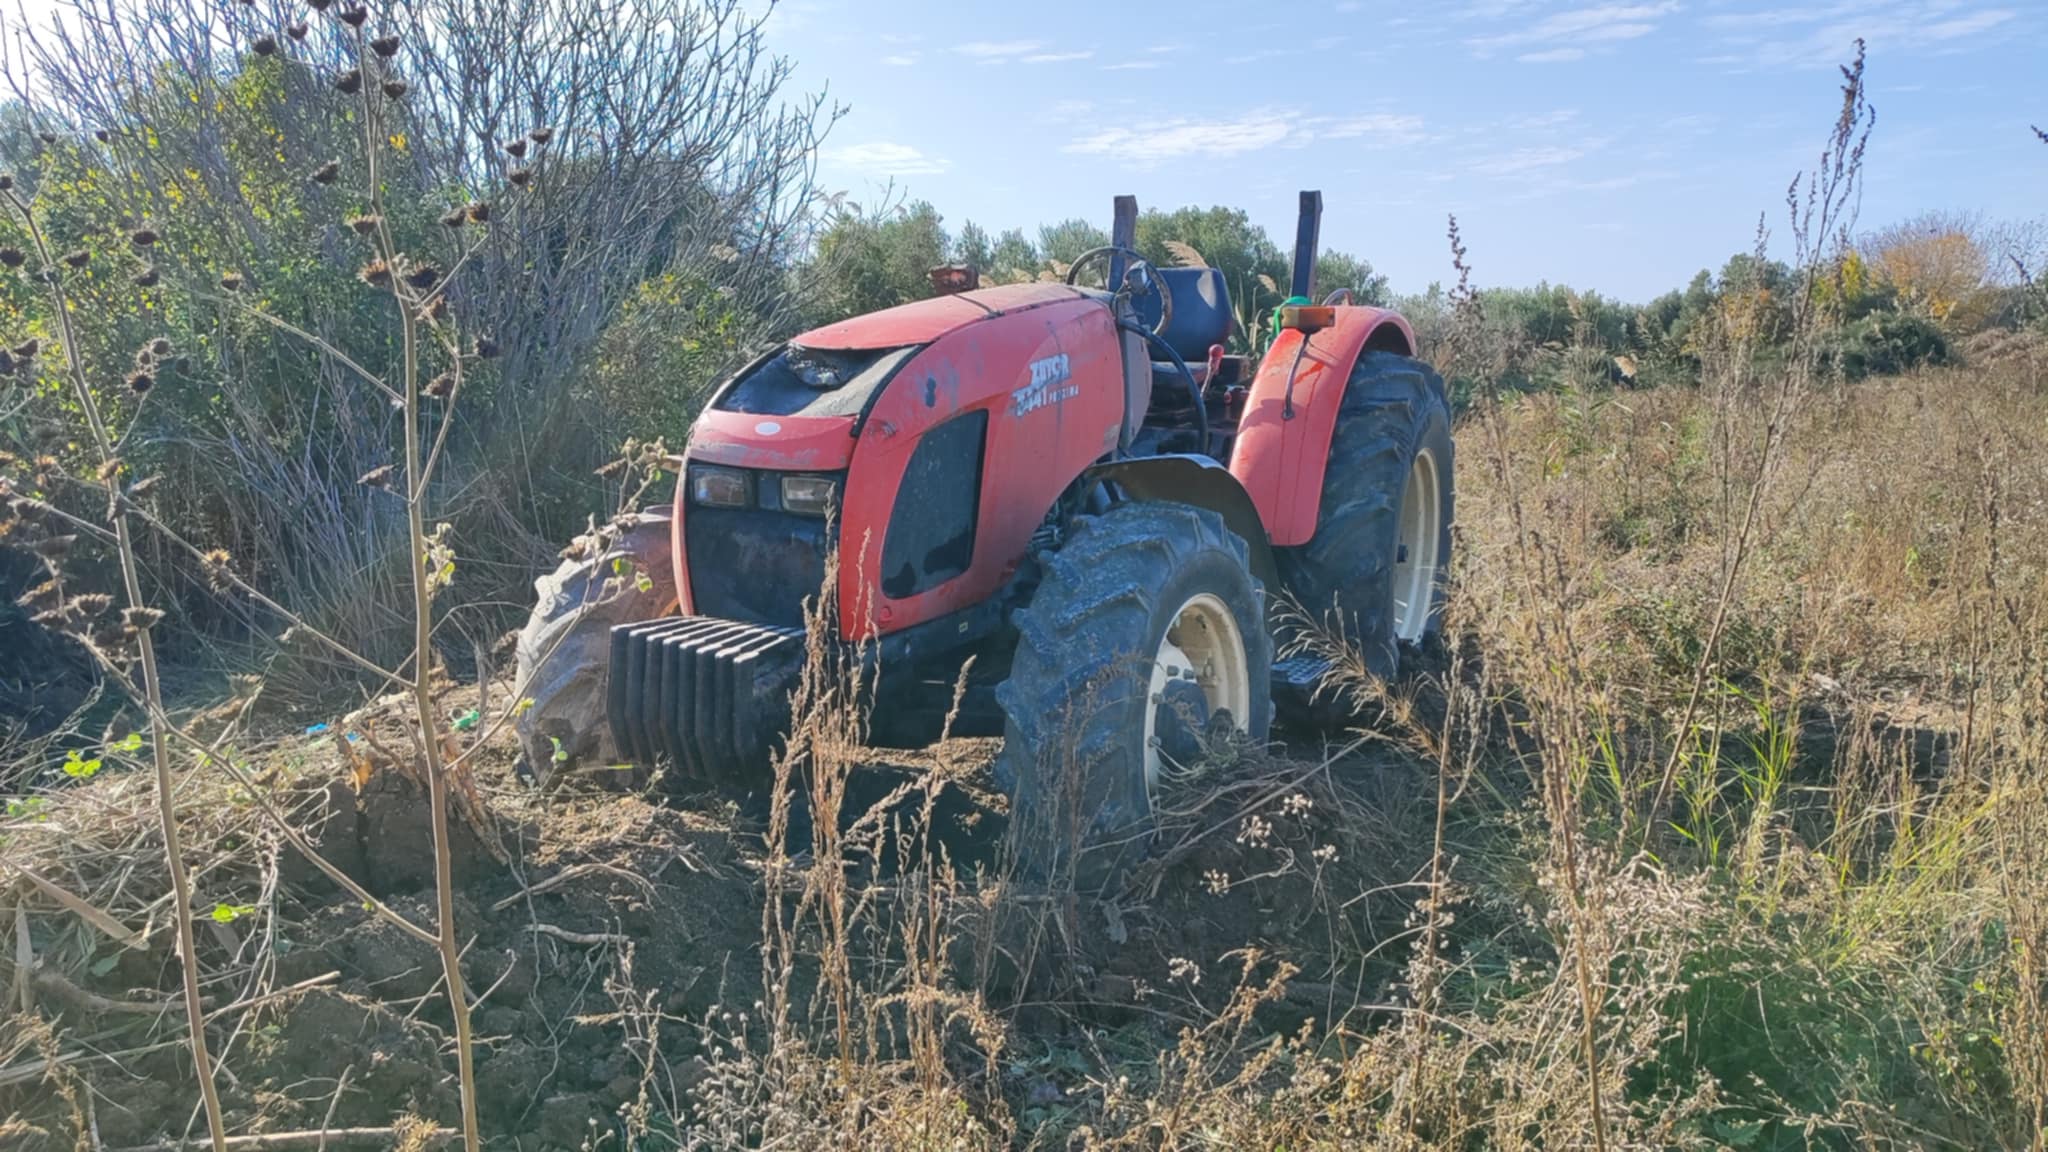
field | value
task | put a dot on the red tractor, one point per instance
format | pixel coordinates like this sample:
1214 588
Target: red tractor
1076 487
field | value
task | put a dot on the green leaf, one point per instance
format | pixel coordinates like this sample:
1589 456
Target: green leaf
79 768
229 913
524 705
561 753
130 743
643 583
467 720
105 964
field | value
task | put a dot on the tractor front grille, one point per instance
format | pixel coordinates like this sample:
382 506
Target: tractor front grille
709 697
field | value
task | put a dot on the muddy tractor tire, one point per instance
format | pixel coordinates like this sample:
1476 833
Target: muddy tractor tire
1145 641
1373 573
625 575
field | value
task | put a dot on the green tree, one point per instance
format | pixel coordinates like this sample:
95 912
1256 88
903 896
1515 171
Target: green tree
865 264
1336 270
1063 243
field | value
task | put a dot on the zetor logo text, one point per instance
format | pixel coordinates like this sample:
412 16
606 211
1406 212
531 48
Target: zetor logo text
1047 377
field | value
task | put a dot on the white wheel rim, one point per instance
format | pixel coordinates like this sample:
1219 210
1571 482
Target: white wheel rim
1203 644
1416 555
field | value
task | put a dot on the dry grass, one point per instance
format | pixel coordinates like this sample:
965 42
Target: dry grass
1834 935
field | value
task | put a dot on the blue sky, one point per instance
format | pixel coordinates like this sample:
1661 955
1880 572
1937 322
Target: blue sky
1619 146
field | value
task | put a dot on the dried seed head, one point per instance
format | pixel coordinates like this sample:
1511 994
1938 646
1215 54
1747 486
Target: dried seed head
541 135
296 31
54 546
140 382
159 347
486 348
385 46
376 273
29 349
265 45
355 17
92 604
143 486
143 237
454 218
438 308
327 173
516 149
423 277
47 137
101 135
350 82
364 225
378 477
6 364
12 257
141 619
217 566
319 5
147 278
6 181
40 594
395 88
441 387
78 258
520 177
232 281
479 212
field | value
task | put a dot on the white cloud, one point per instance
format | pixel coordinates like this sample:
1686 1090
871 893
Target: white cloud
1578 27
1057 57
1172 140
1131 66
900 60
1152 143
1521 160
1381 128
1553 56
998 49
1823 35
886 158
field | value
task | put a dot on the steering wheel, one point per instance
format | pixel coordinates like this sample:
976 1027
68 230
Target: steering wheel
1140 273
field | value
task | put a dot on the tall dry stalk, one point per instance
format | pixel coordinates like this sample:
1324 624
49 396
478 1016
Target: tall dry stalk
1822 216
139 617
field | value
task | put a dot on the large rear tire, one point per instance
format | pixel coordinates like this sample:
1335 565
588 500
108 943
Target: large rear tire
1374 570
624 575
1147 630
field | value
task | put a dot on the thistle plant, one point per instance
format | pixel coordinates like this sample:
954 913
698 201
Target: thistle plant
427 384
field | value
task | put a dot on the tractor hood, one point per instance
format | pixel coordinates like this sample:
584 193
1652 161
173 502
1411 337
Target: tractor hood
927 320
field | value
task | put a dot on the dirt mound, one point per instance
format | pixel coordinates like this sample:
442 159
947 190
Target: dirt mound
613 941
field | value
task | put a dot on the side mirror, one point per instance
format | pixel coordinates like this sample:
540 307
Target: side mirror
953 279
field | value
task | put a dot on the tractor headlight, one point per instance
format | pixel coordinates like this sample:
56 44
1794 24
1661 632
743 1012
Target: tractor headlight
718 487
810 495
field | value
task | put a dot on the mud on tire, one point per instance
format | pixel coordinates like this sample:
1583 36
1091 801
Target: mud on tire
1345 577
565 648
1080 686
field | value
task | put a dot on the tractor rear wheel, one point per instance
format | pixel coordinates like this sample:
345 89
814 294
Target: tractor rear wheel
1145 639
623 575
1373 573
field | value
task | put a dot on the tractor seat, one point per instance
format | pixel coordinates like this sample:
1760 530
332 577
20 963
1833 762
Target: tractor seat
1201 311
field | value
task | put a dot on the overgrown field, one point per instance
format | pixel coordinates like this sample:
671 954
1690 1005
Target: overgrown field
1511 910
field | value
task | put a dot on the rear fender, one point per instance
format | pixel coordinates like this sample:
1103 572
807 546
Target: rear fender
1201 481
1283 440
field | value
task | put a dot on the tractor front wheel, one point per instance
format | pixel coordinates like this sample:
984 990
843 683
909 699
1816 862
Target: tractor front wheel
1145 641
